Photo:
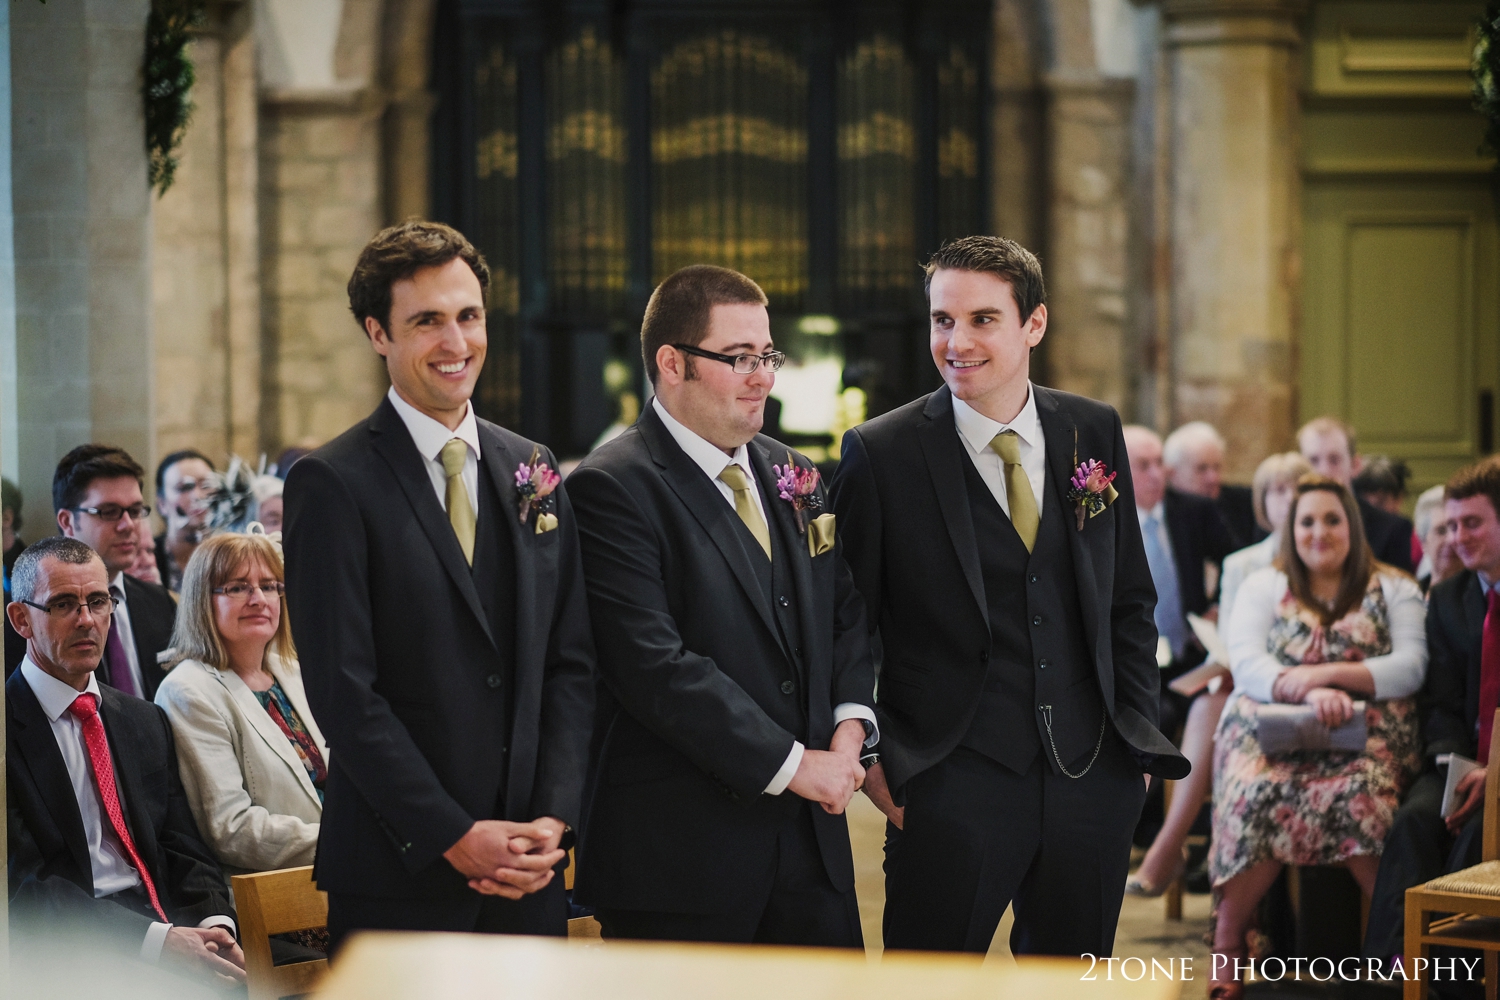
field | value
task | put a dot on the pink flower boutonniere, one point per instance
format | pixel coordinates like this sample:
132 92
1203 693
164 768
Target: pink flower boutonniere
798 487
535 482
1091 491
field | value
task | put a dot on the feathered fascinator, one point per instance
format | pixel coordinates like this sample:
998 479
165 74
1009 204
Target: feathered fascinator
231 503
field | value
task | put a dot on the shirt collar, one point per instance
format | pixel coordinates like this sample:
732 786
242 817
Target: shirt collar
117 585
52 694
979 430
705 454
1158 513
429 435
1484 585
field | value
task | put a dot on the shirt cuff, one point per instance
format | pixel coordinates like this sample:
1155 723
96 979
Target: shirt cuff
156 936
220 920
854 710
788 770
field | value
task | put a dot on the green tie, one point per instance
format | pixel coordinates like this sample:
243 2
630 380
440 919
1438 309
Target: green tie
744 505
1023 513
460 511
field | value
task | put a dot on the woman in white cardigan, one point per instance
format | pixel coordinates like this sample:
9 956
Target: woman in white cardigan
252 758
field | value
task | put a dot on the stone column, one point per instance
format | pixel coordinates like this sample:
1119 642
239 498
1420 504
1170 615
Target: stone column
1235 219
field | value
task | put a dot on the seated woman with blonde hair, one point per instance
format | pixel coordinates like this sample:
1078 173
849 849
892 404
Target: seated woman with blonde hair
252 759
1324 625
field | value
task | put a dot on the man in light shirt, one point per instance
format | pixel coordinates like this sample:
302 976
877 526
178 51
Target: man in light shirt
102 843
737 681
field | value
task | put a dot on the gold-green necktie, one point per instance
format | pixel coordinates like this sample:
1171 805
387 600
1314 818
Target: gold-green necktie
460 511
744 505
1023 512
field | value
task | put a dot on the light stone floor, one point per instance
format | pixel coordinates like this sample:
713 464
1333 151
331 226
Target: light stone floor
1144 931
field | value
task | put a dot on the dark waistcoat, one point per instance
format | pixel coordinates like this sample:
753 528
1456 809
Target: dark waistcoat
494 573
1038 654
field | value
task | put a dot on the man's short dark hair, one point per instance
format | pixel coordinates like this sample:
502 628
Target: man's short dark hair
173 459
1480 479
1005 259
1382 474
86 463
27 572
397 253
680 308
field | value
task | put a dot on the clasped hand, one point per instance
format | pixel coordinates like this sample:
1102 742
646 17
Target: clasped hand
1308 685
508 859
831 777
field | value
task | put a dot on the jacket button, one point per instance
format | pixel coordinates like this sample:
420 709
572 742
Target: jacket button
984 657
1042 665
784 602
1032 578
1036 619
494 680
787 687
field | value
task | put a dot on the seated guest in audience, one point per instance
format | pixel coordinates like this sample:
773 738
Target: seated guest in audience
1328 445
253 760
101 842
144 568
1328 624
1439 561
1194 456
268 502
1458 712
96 491
183 481
1274 487
1182 532
1381 482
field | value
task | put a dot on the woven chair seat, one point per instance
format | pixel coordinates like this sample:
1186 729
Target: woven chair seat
1481 880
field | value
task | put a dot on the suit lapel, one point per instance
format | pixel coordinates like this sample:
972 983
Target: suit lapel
793 544
265 728
1475 607
1061 436
500 463
393 443
708 506
944 454
126 760
39 752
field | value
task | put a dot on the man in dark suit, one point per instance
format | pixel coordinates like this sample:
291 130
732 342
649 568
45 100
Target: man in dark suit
1328 444
1460 696
441 622
96 492
102 843
1018 689
736 683
1194 458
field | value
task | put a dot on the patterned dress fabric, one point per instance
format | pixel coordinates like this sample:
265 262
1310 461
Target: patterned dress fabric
280 709
1312 807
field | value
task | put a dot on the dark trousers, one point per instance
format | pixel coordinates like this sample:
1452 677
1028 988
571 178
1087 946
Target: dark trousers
1417 848
800 905
979 836
544 912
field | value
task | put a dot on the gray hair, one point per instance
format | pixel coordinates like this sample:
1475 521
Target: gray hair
1187 438
27 572
1429 508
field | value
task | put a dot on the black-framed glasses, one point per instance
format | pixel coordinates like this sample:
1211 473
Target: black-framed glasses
99 606
113 511
240 590
743 364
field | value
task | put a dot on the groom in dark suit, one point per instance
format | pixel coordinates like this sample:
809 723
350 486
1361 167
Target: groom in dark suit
438 606
736 685
1018 688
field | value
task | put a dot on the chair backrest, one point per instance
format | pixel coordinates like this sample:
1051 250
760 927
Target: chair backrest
278 902
1491 838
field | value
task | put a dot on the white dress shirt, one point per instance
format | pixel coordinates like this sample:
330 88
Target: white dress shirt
977 431
429 436
711 459
111 868
127 634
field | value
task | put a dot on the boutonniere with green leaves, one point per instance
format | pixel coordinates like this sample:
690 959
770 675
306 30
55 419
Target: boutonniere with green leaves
535 482
798 487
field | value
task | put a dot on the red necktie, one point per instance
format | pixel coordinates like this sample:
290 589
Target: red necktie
86 712
1489 674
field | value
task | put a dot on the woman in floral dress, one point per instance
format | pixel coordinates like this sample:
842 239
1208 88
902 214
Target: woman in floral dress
1324 626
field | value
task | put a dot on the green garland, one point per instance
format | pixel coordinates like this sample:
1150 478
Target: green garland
168 81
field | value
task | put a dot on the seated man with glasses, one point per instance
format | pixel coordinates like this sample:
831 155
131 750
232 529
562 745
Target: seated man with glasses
102 848
96 492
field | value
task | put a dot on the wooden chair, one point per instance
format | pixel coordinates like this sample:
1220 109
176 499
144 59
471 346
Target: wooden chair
278 902
579 928
1462 909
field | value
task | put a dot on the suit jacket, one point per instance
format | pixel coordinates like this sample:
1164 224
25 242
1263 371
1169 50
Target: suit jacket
249 790
1389 535
395 649
705 681
51 879
1450 695
1199 536
153 615
1237 507
909 537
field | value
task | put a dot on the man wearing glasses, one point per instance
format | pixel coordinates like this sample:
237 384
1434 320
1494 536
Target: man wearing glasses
737 685
96 491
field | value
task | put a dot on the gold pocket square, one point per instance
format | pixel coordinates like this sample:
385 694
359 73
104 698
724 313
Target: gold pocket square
820 534
546 523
